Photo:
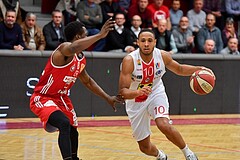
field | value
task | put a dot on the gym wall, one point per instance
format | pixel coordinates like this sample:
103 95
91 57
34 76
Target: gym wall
20 71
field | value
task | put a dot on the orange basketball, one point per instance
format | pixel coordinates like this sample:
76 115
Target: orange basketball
202 82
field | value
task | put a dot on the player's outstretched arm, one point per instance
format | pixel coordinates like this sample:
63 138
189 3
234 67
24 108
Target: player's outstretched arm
96 89
79 45
180 69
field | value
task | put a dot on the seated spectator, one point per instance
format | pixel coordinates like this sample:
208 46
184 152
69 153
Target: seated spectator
210 31
228 31
164 37
233 9
232 47
119 39
140 8
135 29
159 11
175 13
10 5
183 36
109 9
68 8
32 33
90 14
209 47
124 5
54 31
213 7
196 16
11 33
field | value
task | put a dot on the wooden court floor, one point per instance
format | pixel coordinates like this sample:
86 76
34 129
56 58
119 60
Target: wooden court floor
211 137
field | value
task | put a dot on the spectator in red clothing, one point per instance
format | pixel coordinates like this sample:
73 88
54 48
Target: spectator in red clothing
141 9
159 11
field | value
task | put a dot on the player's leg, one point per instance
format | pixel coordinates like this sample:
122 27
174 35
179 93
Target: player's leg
150 149
60 121
140 123
174 136
74 142
159 110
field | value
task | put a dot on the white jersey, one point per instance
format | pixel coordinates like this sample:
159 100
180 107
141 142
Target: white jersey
154 105
147 74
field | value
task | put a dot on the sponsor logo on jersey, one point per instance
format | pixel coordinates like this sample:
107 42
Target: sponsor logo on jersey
69 79
158 72
147 79
158 65
139 62
72 68
139 76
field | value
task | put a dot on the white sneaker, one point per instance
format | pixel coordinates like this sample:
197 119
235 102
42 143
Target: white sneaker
191 156
163 157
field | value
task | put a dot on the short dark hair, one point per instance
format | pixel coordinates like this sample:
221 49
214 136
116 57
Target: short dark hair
72 29
10 10
146 30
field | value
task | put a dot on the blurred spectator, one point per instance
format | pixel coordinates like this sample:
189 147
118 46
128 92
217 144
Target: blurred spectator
196 16
10 5
68 8
119 39
214 7
11 33
228 31
124 5
140 8
164 37
232 47
32 33
175 13
135 29
209 46
90 14
183 36
54 31
210 31
159 11
233 9
109 9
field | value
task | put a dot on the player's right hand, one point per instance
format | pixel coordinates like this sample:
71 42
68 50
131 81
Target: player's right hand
146 90
108 26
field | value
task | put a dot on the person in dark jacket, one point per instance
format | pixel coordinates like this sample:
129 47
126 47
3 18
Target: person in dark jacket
11 33
54 31
165 39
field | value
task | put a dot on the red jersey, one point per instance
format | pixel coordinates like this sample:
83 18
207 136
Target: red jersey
57 80
158 12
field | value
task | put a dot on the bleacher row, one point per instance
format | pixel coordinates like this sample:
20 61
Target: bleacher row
43 19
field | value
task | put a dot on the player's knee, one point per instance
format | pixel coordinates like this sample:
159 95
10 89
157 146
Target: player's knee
65 126
164 126
74 132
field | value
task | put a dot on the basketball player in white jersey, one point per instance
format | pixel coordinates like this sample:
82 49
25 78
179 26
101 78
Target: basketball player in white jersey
141 85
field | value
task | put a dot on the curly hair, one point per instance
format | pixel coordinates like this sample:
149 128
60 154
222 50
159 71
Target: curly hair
72 29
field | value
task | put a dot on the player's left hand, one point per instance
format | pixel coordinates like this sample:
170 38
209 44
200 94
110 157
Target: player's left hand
112 100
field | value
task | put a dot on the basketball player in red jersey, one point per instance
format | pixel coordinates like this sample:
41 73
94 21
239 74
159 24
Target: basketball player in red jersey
141 85
50 101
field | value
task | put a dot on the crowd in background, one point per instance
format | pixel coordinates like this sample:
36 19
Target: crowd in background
209 26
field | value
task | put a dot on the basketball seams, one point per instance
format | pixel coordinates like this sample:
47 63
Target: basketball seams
202 82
